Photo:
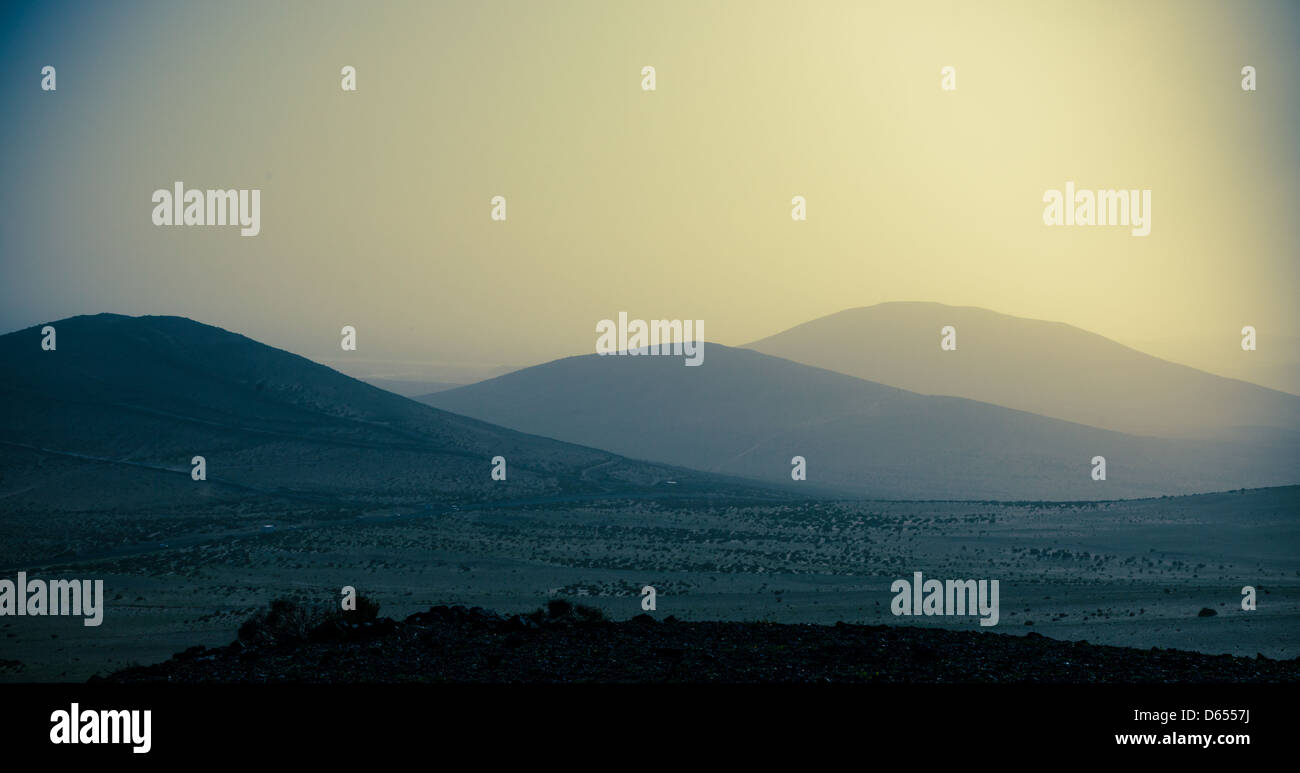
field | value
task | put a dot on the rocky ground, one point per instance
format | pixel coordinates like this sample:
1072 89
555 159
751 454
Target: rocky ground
574 644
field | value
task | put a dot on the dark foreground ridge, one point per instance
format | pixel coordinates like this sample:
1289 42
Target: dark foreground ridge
572 644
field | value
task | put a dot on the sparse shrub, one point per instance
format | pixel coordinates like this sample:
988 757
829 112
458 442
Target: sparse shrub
588 614
558 610
287 621
367 611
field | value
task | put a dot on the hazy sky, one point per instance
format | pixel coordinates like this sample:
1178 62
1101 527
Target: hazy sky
666 204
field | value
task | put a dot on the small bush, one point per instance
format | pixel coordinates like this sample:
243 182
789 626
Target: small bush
287 621
367 611
559 608
588 614
562 610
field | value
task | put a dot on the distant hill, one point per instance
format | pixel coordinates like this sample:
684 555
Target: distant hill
1047 368
150 393
746 413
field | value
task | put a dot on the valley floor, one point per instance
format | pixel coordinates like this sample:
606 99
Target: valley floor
1131 574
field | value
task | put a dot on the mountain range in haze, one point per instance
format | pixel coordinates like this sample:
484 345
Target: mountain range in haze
747 413
151 392
878 409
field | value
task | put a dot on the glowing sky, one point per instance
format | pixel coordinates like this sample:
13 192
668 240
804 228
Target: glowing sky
666 204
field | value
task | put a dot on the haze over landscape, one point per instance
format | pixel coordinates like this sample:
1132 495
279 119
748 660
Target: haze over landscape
671 204
672 475
745 413
801 184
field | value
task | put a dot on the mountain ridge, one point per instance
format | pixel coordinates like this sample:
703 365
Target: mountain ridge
747 413
1044 367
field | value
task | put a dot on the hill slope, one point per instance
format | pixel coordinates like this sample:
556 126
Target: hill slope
746 413
150 393
1047 368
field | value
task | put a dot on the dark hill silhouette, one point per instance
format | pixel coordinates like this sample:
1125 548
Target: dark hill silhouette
153 392
1047 368
746 413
